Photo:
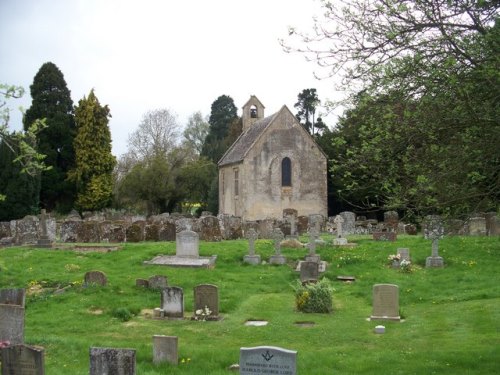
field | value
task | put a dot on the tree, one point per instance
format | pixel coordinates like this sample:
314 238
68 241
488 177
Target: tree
423 130
52 102
223 113
196 131
148 177
307 102
94 162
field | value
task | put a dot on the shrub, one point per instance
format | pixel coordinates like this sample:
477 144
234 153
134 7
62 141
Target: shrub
122 313
314 298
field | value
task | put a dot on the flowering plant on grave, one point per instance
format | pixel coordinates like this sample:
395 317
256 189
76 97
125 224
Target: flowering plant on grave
202 314
405 265
394 258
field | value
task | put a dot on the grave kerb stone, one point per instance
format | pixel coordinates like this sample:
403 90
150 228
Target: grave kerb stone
267 360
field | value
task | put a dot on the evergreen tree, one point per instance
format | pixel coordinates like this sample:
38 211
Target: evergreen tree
223 114
52 101
21 190
93 172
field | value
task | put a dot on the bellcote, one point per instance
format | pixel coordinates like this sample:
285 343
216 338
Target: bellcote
253 110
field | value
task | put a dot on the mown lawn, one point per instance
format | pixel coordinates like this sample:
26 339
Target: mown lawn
451 315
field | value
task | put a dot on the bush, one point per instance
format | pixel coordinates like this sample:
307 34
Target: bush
314 298
122 313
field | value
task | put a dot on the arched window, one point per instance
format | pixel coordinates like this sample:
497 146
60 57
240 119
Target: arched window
253 112
286 172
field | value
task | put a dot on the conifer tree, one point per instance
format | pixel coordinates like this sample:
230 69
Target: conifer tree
52 101
94 161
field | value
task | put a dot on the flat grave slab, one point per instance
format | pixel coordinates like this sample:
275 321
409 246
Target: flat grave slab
177 261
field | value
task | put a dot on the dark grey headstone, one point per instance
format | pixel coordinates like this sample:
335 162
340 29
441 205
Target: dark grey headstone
95 278
309 271
158 282
12 324
22 360
267 360
207 295
108 361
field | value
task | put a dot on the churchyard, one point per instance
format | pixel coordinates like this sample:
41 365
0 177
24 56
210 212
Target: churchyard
448 318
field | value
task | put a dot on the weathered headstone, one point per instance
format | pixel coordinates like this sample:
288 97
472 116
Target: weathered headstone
385 302
316 221
187 244
309 271
277 258
404 254
391 220
95 278
251 258
268 360
339 240
142 283
109 361
206 296
15 296
349 224
384 236
12 324
43 240
477 226
22 360
165 349
157 282
313 237
172 302
434 230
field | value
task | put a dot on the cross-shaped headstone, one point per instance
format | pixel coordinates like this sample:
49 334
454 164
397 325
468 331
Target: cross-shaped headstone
293 221
338 221
277 237
252 236
43 223
313 235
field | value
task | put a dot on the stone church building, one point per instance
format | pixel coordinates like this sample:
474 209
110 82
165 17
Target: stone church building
274 165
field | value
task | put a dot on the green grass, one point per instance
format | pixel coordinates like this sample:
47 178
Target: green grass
451 326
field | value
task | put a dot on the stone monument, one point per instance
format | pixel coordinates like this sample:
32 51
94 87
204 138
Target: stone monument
434 231
251 257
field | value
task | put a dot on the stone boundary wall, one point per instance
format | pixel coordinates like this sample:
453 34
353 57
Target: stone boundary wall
98 228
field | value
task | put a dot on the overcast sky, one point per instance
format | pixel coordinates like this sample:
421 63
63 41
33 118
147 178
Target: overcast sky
151 54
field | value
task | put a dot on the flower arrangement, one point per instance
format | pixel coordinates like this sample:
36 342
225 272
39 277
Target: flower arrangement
405 265
202 314
394 258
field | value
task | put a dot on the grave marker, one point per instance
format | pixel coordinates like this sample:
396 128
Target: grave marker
268 360
43 240
172 302
15 296
95 278
309 271
165 349
22 360
157 282
187 244
206 296
434 230
385 302
313 236
12 324
251 258
109 361
277 258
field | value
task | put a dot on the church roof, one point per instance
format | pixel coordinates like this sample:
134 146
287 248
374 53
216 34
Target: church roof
240 147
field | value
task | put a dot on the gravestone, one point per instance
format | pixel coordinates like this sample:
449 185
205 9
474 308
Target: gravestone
434 231
157 282
165 349
290 215
109 361
43 240
172 302
277 258
95 278
309 271
16 296
267 360
210 229
477 226
187 244
207 296
339 240
12 324
316 221
251 258
391 220
151 232
167 232
385 302
384 236
349 224
22 360
404 254
143 283
313 237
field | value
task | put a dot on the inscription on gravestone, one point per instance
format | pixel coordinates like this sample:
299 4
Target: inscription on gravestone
187 244
22 360
108 361
12 324
268 360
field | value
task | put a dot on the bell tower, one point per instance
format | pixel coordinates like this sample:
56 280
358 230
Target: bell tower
253 110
